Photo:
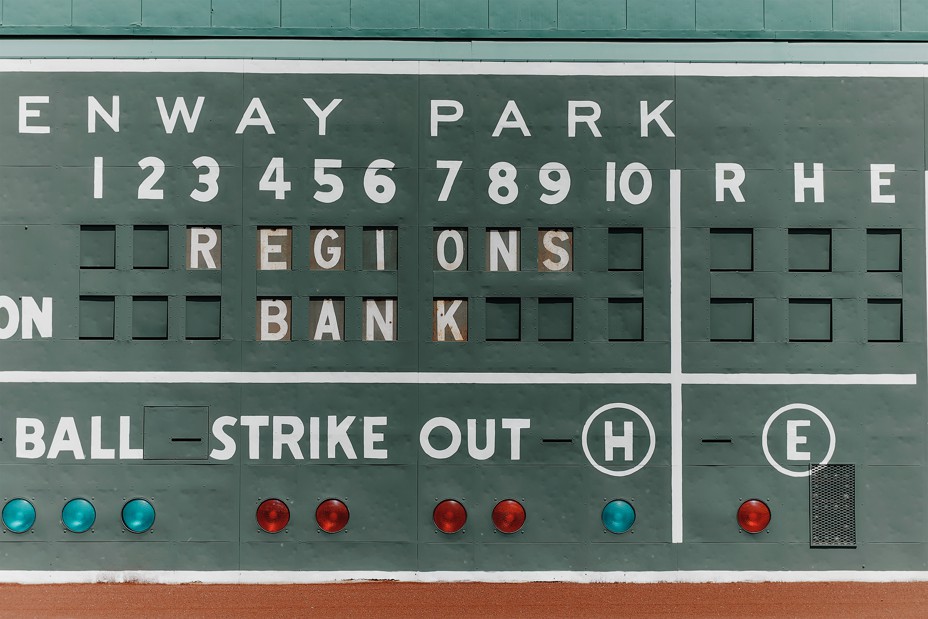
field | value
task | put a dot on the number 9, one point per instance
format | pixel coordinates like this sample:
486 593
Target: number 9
559 187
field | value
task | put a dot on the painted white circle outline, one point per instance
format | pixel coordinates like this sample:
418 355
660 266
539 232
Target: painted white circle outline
804 407
597 413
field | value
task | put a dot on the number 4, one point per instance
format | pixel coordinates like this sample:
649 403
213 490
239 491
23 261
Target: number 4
273 179
453 168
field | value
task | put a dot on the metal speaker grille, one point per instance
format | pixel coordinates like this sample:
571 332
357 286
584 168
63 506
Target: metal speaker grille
832 506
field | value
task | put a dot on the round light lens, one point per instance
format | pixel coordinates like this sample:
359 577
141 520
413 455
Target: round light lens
508 516
273 515
449 516
78 515
332 515
18 515
618 516
138 515
753 516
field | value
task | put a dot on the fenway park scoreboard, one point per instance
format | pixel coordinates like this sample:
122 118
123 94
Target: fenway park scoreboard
453 316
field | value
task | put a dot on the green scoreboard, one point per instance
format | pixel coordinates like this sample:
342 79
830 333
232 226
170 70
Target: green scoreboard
397 316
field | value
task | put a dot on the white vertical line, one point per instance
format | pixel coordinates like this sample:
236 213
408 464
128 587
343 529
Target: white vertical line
676 363
97 178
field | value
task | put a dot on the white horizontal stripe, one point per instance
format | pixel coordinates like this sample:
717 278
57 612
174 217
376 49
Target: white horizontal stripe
308 577
388 378
455 67
450 378
761 69
800 379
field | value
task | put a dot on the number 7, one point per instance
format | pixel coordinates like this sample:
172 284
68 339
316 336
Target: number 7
453 168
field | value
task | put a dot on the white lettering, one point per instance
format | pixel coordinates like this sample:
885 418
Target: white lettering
561 253
97 451
328 322
202 243
372 438
254 423
655 116
437 117
228 443
877 182
12 314
29 433
574 117
327 257
126 451
816 183
490 448
508 250
66 439
625 180
169 121
273 312
95 109
793 440
338 437
442 242
511 118
425 436
26 112
255 116
515 427
290 439
322 114
625 441
269 247
732 183
445 320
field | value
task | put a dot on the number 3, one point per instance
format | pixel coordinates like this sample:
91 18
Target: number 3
210 179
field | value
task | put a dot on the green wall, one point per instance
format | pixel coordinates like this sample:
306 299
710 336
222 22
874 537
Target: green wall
571 19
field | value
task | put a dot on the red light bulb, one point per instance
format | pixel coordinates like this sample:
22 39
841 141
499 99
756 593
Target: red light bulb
449 516
753 516
508 516
273 515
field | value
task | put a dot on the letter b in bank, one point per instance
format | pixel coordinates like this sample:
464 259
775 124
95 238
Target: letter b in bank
618 439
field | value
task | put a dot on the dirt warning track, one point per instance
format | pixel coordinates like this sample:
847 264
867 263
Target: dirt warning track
448 600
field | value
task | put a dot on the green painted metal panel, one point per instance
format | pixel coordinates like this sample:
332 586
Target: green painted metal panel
463 15
315 13
590 15
523 14
482 19
149 318
150 247
914 15
867 15
246 13
737 15
176 13
798 15
884 250
103 13
607 317
36 12
376 15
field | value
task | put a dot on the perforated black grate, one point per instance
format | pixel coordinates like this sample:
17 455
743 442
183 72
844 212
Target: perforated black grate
832 506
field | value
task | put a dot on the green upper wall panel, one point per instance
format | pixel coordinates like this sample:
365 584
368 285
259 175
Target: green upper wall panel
473 19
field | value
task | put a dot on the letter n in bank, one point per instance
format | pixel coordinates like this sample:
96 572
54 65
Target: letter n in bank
379 320
449 320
